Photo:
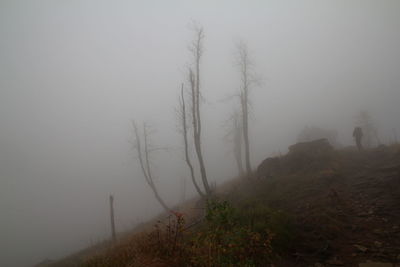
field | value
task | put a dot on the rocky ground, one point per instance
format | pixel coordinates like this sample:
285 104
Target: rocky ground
348 214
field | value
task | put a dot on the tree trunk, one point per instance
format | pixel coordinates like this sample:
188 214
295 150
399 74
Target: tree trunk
187 158
145 164
237 140
245 118
113 234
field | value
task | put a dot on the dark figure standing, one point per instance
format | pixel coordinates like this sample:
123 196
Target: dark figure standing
358 134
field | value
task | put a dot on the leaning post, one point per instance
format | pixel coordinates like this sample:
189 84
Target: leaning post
113 235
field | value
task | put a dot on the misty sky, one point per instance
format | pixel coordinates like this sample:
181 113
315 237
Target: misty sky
73 74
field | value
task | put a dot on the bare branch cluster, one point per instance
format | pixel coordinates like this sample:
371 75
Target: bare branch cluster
143 148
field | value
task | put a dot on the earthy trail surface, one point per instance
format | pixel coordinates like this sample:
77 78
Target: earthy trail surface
349 213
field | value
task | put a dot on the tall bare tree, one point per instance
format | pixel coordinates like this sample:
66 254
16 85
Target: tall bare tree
237 141
248 80
234 136
196 49
112 219
143 154
182 113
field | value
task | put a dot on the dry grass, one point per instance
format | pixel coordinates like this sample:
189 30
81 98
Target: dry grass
239 227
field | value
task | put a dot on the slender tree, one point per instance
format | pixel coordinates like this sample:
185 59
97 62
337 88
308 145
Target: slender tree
247 81
143 154
234 136
237 141
112 220
196 49
184 128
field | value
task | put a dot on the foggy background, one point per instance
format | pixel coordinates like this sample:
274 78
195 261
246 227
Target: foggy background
73 74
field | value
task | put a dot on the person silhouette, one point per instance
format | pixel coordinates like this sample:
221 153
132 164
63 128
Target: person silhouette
358 134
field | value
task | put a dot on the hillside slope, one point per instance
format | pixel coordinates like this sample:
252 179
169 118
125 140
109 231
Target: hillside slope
338 210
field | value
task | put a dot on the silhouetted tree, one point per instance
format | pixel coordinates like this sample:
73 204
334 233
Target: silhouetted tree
248 80
237 142
182 113
143 153
196 49
235 136
112 219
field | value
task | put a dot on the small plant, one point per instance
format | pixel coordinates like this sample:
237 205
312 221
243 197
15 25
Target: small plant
227 241
166 241
220 214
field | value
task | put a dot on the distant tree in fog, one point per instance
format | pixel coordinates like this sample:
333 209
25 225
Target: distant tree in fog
144 149
196 50
248 80
183 127
234 136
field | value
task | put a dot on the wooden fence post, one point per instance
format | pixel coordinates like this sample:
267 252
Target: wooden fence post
114 236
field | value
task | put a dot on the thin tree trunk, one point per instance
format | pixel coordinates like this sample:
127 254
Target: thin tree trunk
237 139
188 162
244 64
145 165
196 133
113 234
246 133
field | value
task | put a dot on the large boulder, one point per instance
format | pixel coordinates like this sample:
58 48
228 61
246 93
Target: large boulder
312 155
313 148
269 167
308 154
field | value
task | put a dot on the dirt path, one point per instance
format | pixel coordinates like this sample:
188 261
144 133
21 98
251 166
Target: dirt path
352 216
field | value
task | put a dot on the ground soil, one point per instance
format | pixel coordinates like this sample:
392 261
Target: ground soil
348 213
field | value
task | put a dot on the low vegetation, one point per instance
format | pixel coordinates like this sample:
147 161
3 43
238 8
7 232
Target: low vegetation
249 234
339 213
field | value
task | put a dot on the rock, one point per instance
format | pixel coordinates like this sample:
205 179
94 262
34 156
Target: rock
375 264
335 262
315 154
378 244
378 231
269 167
360 248
313 147
370 212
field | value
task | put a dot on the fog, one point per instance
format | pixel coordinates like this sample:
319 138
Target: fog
74 74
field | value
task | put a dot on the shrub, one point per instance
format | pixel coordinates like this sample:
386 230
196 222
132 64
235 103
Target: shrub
227 241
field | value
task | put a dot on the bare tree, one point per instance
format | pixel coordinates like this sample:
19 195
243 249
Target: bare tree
247 80
112 220
184 128
143 155
196 49
237 142
235 136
